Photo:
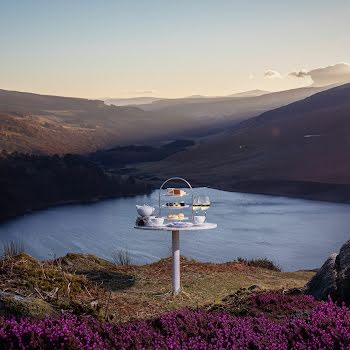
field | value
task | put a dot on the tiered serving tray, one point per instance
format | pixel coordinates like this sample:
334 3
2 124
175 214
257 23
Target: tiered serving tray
163 195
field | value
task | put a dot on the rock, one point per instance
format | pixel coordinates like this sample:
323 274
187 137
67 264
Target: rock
254 287
294 291
324 283
15 305
333 278
343 279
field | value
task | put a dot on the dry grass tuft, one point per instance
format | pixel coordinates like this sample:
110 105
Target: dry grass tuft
121 257
12 248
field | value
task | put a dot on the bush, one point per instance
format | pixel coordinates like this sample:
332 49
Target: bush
327 326
272 304
263 263
121 257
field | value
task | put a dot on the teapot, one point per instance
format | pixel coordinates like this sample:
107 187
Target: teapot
145 210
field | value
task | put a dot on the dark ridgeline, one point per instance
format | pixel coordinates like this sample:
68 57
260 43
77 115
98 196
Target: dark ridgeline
31 182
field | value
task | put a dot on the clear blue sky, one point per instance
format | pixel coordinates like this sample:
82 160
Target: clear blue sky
166 48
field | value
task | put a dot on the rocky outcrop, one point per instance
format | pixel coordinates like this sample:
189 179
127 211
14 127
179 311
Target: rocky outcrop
12 304
333 279
343 280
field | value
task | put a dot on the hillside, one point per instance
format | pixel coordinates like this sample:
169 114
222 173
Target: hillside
51 124
301 149
133 291
32 123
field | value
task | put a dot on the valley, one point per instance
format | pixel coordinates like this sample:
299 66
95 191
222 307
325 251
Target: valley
41 124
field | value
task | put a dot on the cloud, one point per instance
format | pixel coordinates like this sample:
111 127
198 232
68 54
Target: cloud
301 74
272 74
334 74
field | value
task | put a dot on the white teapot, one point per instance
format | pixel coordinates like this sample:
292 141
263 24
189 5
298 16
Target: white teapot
145 210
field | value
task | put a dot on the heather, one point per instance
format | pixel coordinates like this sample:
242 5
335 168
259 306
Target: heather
273 304
325 326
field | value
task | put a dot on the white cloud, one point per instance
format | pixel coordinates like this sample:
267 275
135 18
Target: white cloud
334 74
272 74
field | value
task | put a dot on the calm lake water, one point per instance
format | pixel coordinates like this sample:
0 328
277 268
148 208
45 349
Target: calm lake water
295 233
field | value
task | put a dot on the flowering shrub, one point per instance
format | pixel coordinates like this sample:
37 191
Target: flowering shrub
277 304
271 304
326 326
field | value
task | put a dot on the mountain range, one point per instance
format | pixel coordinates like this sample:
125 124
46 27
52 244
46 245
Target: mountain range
51 124
149 99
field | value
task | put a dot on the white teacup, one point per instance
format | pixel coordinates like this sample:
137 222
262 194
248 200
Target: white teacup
155 221
199 219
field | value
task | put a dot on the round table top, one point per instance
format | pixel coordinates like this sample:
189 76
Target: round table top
205 226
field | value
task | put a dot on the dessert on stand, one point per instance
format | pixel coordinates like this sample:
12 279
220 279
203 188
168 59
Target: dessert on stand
178 211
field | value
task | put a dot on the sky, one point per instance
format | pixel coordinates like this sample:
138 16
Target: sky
163 48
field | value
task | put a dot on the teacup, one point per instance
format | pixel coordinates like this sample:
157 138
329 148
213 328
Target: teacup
199 219
155 221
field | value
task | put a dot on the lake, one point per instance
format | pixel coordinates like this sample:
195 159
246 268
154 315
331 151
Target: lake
295 233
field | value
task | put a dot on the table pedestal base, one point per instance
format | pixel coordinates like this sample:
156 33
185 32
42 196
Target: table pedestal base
176 262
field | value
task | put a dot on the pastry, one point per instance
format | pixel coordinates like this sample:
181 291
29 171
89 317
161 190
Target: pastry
175 192
180 216
170 192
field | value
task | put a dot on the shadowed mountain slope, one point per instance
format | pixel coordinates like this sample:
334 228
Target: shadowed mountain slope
298 149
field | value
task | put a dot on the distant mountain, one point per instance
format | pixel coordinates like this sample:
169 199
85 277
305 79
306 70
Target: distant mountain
250 93
52 124
229 108
300 149
130 101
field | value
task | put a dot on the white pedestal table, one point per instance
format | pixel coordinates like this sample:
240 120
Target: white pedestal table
176 286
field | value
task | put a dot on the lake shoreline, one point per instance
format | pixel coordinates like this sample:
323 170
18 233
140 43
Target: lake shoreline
72 202
250 226
267 188
321 192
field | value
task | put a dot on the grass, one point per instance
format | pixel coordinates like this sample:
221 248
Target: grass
12 248
88 284
260 262
121 257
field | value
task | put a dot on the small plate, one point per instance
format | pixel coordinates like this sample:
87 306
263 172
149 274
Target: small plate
172 207
180 224
176 219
